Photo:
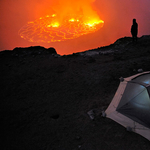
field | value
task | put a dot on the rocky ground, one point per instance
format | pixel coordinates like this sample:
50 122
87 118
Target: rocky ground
46 98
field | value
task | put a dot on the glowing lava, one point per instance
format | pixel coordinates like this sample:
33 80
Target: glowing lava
52 29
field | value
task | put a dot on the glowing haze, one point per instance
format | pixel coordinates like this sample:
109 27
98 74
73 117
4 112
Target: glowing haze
70 20
117 16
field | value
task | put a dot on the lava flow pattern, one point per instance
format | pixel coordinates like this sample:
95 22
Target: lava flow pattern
51 29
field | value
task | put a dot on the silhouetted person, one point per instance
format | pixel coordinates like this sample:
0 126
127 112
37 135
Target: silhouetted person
134 30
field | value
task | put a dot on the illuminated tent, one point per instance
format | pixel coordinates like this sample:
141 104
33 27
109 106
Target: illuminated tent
130 106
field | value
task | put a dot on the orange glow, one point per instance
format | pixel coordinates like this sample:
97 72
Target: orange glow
117 15
76 19
72 20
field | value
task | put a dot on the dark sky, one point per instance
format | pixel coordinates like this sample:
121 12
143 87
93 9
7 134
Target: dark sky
117 15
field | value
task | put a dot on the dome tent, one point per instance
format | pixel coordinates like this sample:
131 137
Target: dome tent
130 106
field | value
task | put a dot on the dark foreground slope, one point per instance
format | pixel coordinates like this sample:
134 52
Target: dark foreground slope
45 98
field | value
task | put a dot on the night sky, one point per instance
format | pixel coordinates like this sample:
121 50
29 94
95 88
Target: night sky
116 14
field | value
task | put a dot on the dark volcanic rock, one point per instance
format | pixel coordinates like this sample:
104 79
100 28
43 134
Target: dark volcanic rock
44 100
52 50
33 50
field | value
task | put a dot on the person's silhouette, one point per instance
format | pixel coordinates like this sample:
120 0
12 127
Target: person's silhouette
134 30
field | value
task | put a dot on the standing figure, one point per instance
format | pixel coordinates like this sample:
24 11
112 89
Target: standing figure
134 30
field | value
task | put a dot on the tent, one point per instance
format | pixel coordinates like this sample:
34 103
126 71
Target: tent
130 106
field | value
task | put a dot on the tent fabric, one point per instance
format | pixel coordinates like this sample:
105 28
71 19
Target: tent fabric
130 106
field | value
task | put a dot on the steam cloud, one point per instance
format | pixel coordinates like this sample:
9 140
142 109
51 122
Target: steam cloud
65 7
